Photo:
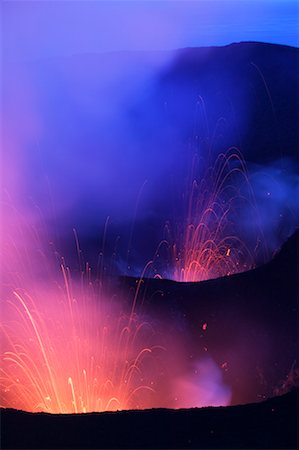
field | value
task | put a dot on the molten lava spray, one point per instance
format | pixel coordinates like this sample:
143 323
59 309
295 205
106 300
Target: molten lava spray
71 350
208 242
69 346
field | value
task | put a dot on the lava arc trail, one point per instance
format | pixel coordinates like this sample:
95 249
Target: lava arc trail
209 241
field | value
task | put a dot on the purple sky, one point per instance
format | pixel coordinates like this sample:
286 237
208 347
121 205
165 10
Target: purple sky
41 29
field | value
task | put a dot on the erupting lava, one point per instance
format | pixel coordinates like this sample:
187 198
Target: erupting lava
67 346
71 351
208 241
70 346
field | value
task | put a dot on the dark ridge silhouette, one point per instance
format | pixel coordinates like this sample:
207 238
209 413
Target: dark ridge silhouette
271 424
252 86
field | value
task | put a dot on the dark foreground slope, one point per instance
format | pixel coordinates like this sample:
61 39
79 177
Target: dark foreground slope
268 425
252 321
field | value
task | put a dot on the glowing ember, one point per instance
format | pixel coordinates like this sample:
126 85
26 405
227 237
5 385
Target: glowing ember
208 243
205 326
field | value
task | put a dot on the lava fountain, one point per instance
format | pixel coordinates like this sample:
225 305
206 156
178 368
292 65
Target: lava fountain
73 350
68 346
71 343
208 241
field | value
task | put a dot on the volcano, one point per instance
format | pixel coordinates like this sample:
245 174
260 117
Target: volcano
227 345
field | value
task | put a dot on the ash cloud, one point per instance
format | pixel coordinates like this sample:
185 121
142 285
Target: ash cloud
276 192
203 387
83 134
